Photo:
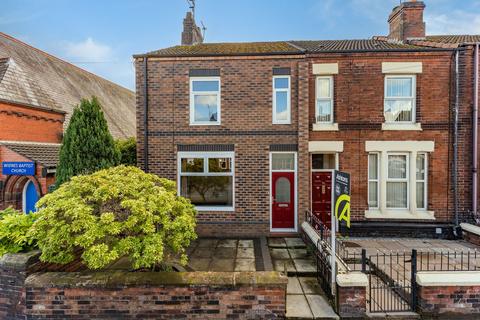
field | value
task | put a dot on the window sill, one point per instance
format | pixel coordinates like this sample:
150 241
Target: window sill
399 214
205 123
401 127
325 127
222 209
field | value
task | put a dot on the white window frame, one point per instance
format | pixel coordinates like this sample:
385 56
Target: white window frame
295 228
317 98
374 180
195 93
274 100
406 179
424 181
206 155
413 97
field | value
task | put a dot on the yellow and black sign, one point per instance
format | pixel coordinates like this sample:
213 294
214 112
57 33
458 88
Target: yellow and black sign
341 196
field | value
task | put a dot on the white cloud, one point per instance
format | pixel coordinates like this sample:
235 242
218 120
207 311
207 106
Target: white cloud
456 22
89 50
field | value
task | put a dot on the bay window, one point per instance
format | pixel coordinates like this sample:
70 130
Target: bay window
207 179
205 101
399 104
281 100
397 180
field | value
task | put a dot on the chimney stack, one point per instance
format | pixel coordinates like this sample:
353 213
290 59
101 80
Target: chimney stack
191 32
406 21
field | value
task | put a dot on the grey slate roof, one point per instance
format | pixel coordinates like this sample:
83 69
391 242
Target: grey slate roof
43 153
33 77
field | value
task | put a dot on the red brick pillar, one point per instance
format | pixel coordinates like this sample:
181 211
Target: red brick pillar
352 295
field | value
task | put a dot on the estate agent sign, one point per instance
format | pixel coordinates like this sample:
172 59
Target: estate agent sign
341 196
18 168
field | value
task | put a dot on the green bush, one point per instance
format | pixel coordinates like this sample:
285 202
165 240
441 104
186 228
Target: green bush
14 227
127 148
87 145
113 213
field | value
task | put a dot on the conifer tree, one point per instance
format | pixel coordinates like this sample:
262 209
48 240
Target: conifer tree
87 145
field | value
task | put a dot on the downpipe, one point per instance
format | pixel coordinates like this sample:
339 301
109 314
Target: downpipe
145 113
475 138
455 145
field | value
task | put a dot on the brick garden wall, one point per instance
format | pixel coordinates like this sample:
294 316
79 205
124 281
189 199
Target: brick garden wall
452 302
123 295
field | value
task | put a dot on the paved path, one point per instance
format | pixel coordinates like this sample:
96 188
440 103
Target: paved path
305 298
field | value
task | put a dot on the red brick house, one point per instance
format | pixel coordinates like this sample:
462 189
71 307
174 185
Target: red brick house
252 131
37 95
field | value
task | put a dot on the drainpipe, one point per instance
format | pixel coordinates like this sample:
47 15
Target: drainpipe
475 136
145 112
455 143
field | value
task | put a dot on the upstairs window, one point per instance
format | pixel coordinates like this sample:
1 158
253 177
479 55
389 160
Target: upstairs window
205 101
399 103
324 97
281 100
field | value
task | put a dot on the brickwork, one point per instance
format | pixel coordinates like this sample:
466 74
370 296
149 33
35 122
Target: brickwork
20 123
471 237
406 21
123 295
246 122
351 302
453 302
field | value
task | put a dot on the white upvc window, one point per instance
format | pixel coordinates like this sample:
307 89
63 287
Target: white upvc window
400 98
397 181
281 111
207 179
373 180
421 180
324 99
205 101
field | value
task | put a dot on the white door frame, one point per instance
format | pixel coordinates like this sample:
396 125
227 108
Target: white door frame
295 177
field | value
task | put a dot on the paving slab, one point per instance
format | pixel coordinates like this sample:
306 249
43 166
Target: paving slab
227 243
199 264
276 242
207 243
224 253
245 253
310 285
279 253
283 265
202 252
320 307
224 265
293 286
302 265
297 307
245 265
299 253
245 243
295 243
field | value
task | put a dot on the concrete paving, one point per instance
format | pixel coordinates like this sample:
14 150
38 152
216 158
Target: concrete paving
222 255
305 298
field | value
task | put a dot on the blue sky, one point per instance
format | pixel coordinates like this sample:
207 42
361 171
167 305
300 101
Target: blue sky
102 35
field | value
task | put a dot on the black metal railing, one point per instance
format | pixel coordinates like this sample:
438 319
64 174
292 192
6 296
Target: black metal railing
448 260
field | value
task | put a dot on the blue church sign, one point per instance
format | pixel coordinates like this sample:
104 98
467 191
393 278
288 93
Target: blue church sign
18 168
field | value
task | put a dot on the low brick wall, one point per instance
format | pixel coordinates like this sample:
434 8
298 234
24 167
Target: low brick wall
156 295
352 295
14 269
453 295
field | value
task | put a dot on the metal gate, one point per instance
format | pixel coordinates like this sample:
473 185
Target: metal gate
392 284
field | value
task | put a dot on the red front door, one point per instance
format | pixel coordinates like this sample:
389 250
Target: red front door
283 200
322 196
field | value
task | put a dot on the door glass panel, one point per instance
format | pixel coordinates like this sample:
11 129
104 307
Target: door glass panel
283 161
282 190
323 161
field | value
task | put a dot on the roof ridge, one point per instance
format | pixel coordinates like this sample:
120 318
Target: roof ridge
59 59
33 143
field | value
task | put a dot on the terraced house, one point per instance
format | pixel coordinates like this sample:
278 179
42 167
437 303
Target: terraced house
252 131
